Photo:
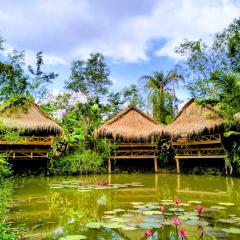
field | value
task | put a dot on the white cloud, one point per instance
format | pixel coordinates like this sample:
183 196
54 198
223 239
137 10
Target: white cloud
30 57
122 30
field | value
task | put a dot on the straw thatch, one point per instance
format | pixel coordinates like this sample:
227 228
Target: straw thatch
194 119
237 116
31 121
130 125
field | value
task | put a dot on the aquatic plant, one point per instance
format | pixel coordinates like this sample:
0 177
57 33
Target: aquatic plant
148 233
200 209
182 234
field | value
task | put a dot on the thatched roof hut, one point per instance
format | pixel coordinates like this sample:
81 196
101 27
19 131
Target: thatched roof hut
32 121
237 116
130 125
194 119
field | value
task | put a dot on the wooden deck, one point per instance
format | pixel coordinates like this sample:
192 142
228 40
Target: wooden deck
200 147
27 147
134 151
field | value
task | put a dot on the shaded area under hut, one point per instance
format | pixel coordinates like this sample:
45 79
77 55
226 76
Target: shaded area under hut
30 131
135 135
196 133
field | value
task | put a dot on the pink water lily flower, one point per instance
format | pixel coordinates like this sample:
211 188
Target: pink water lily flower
148 233
177 202
200 209
162 208
176 221
182 233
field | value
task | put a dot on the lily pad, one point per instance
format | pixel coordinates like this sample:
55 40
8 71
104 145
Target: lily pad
218 207
197 223
110 212
230 221
119 220
118 210
127 215
151 212
113 225
195 202
151 220
137 203
94 225
232 230
128 228
226 204
73 237
176 209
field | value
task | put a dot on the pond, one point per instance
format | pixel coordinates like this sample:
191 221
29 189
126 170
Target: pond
124 206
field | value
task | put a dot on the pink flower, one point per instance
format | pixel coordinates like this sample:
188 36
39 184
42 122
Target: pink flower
177 201
162 208
176 221
148 233
199 209
182 233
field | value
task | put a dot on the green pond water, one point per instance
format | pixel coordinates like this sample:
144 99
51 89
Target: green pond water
123 206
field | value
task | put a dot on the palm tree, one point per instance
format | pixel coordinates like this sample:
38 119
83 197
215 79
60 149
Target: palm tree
158 89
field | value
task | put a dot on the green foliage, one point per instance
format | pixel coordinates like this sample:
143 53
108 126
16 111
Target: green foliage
132 97
204 60
90 77
6 233
15 80
5 168
79 162
10 136
15 103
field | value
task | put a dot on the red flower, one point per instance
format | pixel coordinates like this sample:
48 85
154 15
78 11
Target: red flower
148 233
176 221
177 201
162 208
182 233
199 209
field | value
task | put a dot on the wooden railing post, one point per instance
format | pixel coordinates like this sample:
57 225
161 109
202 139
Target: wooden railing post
177 166
155 164
109 166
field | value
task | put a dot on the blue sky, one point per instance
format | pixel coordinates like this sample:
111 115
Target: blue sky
137 37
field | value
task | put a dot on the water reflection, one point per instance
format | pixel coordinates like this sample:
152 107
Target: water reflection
45 213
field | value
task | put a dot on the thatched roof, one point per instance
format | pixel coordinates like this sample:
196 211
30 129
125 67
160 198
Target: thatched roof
237 116
194 119
32 121
130 125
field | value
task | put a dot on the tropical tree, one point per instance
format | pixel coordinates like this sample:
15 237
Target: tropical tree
160 90
90 77
16 81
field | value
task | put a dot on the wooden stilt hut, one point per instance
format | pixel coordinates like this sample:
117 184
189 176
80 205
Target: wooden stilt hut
36 131
196 133
135 134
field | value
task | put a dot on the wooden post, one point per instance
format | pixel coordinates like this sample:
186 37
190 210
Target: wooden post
155 165
109 165
178 182
177 166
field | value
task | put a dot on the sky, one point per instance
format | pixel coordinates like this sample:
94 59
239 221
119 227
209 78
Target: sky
137 37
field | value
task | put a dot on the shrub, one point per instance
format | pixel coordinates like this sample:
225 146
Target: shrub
77 163
5 168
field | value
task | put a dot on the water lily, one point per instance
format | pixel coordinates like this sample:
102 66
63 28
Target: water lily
148 233
182 233
176 221
177 202
102 183
200 209
162 208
